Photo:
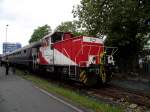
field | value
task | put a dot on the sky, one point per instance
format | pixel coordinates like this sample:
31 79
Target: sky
23 16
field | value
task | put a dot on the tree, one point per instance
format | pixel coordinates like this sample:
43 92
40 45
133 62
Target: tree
71 26
123 21
40 32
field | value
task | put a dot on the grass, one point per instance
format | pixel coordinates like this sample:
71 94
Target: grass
71 95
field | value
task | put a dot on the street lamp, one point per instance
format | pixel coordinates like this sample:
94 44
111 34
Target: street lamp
6 38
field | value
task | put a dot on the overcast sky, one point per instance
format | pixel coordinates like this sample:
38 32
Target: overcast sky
23 16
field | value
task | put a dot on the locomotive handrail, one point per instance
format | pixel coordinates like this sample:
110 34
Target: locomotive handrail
88 52
89 45
113 51
78 53
95 46
69 57
66 52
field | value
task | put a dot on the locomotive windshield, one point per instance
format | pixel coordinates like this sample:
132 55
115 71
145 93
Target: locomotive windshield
56 37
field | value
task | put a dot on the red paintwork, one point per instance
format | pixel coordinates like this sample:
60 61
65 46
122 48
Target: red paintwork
75 49
79 51
42 59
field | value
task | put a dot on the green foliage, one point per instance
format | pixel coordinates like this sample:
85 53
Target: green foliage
40 32
71 26
123 21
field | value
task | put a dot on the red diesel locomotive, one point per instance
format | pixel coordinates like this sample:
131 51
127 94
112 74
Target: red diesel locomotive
82 58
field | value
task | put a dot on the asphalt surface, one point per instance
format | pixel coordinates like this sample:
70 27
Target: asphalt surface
19 95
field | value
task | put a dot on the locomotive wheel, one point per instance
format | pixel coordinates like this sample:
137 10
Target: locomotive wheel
109 76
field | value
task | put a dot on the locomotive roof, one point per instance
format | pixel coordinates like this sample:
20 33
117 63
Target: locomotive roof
54 33
34 44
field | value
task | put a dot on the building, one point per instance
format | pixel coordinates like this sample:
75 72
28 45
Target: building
9 47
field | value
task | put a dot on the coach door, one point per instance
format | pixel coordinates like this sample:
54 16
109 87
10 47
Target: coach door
34 58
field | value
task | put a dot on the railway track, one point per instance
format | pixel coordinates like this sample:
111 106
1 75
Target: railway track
114 95
109 93
123 95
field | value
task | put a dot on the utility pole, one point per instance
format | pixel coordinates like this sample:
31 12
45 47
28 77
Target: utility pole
6 38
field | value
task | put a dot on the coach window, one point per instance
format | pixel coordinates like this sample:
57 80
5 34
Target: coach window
24 51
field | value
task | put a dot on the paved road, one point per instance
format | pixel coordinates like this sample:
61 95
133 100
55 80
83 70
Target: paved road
19 95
